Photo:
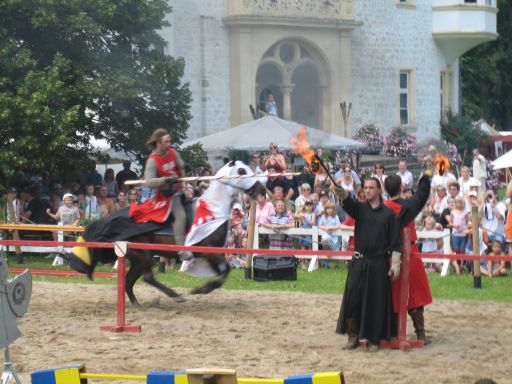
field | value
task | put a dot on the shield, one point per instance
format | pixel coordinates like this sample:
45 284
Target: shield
19 291
3 269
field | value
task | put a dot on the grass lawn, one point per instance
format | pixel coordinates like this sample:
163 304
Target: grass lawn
321 281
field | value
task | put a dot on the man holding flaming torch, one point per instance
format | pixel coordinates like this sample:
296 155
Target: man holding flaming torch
367 307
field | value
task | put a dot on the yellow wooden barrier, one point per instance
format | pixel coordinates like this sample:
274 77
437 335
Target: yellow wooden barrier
112 377
76 375
40 227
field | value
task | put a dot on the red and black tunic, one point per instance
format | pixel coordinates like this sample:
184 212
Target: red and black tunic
158 208
406 210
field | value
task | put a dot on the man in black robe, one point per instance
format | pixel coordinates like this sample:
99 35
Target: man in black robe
367 307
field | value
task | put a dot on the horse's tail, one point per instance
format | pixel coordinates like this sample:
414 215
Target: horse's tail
80 259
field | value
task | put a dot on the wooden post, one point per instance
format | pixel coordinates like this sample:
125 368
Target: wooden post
250 239
120 248
403 295
313 263
475 222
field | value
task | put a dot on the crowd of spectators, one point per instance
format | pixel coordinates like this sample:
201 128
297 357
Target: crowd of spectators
302 200
306 200
40 201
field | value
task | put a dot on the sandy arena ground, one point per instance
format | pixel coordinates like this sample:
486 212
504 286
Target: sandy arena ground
260 334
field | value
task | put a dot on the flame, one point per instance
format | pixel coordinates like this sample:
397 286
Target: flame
300 146
442 164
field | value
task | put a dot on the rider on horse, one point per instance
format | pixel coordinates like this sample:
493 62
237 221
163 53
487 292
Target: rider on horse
163 167
208 229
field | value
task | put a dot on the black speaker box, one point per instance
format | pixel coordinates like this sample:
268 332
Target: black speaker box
274 268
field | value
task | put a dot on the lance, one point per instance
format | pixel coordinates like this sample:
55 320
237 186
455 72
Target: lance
219 177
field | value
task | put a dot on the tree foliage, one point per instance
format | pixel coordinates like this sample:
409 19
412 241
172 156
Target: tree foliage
460 131
71 70
487 77
194 156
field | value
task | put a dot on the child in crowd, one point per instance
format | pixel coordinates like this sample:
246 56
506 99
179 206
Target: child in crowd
323 200
429 245
432 245
68 214
237 219
234 259
494 268
231 257
446 216
458 222
308 219
329 223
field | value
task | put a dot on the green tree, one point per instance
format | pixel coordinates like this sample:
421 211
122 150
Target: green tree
459 130
486 75
194 156
71 70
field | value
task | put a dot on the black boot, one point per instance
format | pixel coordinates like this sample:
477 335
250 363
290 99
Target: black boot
353 333
418 322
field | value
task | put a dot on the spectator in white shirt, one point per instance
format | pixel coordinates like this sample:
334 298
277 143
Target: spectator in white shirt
439 202
465 180
305 195
479 168
443 180
342 166
405 175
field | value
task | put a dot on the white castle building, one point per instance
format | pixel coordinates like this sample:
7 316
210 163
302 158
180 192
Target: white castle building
395 61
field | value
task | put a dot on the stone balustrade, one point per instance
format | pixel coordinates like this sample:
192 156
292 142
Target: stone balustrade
332 9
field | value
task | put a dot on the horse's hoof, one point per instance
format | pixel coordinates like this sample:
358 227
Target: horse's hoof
196 291
201 291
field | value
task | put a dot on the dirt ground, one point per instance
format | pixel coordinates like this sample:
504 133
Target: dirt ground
260 334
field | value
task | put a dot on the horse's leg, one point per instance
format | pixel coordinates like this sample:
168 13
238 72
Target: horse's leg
219 264
144 259
132 276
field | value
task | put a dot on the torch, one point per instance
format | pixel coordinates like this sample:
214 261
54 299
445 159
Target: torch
300 146
442 164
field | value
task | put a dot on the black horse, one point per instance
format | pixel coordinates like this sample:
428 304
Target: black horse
120 227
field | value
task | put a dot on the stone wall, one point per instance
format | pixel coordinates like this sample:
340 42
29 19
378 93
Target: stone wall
391 37
394 37
198 34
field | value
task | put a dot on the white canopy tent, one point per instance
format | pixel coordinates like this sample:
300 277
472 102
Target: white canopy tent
116 158
257 135
504 161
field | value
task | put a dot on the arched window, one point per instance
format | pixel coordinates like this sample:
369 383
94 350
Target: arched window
294 73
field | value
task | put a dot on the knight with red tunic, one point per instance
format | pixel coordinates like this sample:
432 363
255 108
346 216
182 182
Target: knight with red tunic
406 210
163 167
